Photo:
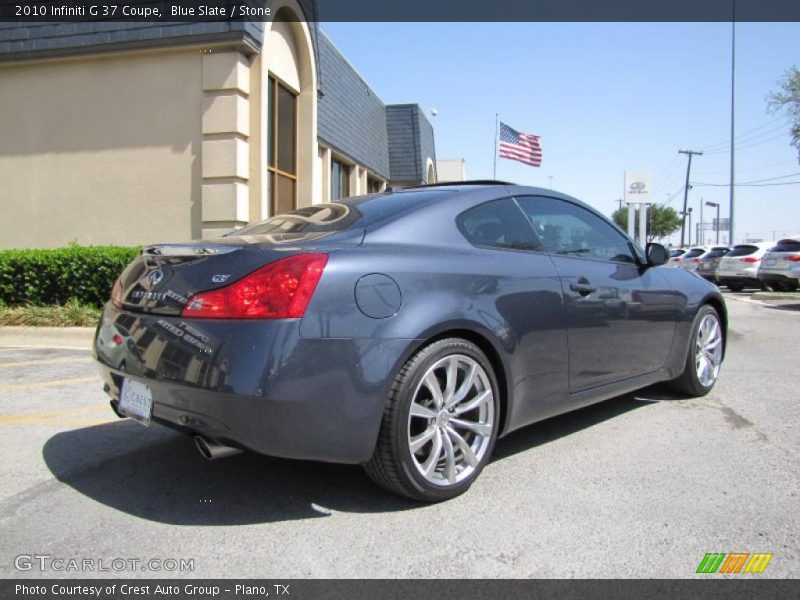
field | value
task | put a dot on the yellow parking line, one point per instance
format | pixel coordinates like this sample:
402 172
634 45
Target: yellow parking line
58 416
46 384
54 412
45 361
20 420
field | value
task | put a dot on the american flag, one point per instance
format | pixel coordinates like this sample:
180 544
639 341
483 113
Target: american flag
523 147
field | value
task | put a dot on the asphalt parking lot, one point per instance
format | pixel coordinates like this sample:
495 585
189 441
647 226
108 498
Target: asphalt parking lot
639 486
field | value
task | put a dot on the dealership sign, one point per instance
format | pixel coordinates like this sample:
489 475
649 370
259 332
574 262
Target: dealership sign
637 187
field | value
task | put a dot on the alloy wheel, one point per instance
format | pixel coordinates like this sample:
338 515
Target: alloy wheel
708 350
451 420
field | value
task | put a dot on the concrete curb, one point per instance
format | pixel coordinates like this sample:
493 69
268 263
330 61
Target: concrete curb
47 337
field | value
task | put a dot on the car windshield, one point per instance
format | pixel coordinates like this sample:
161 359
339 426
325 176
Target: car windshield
743 250
676 253
693 253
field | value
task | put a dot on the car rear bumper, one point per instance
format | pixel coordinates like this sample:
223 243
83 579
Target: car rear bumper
707 274
737 280
776 277
258 385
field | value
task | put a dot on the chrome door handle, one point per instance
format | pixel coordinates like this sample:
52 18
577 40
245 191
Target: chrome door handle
582 286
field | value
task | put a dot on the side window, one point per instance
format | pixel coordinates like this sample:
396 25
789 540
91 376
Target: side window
567 229
499 224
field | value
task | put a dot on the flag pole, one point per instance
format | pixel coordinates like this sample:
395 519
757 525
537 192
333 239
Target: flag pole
496 132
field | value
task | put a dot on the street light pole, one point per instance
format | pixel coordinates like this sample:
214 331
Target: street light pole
700 230
716 205
690 225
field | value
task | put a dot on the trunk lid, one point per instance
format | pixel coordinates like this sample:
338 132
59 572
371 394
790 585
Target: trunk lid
165 276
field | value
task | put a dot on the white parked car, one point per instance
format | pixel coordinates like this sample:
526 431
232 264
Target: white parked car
780 267
739 268
675 257
690 260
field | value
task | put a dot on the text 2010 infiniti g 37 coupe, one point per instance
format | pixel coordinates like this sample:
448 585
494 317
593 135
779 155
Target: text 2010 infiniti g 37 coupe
405 330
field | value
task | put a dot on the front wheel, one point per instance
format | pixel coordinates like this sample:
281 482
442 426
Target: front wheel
704 356
440 424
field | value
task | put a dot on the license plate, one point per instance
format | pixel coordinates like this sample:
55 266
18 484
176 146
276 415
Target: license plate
771 261
136 401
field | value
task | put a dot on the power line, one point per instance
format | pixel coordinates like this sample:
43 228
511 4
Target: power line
749 145
745 184
743 134
752 181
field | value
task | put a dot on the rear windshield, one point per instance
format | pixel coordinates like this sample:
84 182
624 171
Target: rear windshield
717 252
675 253
787 246
322 218
694 252
743 250
336 216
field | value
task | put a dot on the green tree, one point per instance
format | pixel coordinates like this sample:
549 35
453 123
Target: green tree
788 99
661 220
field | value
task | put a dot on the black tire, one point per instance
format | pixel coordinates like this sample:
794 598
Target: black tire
392 466
688 382
791 286
735 287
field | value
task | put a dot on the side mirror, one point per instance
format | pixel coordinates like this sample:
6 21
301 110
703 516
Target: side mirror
656 255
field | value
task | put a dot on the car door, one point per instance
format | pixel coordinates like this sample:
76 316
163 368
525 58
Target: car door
620 315
524 306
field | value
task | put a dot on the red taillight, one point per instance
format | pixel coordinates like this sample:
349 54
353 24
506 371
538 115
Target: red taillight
793 258
117 339
116 294
280 290
677 258
749 259
697 260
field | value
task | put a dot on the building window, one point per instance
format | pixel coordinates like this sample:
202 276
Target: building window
282 147
340 179
374 185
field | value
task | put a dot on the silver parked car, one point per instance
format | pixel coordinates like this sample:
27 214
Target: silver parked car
707 263
780 267
739 268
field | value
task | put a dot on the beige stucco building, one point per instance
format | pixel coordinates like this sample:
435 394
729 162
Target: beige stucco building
138 136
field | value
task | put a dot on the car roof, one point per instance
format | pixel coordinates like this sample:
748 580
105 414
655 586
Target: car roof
790 238
757 244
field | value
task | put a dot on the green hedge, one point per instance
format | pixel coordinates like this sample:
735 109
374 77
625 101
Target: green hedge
55 276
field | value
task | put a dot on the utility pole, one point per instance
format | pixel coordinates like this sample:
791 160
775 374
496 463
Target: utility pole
690 153
733 123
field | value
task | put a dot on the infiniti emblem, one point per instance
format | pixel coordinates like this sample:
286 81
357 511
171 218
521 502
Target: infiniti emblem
154 278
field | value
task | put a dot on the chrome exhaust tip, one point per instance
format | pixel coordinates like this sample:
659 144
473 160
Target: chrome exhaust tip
211 450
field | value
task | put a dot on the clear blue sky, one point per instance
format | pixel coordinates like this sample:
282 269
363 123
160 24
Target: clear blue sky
604 98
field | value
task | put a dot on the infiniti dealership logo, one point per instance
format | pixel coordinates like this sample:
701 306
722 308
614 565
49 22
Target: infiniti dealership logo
154 278
637 187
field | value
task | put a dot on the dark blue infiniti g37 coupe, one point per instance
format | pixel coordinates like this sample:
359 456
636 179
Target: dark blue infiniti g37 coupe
404 331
